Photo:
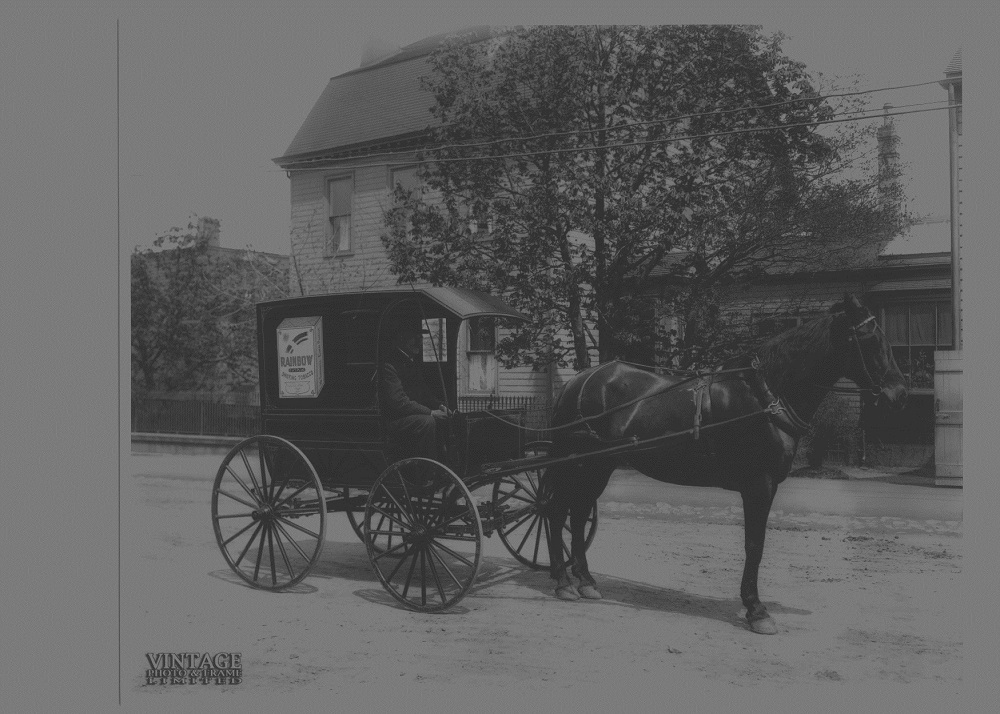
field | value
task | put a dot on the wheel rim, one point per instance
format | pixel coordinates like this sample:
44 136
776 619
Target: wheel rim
522 501
268 512
423 534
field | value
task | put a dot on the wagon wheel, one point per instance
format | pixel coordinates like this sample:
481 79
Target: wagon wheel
423 534
357 517
268 512
524 531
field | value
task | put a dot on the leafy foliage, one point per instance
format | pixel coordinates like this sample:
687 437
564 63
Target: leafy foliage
576 168
193 318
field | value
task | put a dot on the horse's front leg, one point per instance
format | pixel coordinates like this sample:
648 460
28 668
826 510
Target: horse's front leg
756 508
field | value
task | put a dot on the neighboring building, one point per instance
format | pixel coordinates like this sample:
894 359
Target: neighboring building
255 275
339 193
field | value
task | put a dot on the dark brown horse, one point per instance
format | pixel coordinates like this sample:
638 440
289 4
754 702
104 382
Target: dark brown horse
743 422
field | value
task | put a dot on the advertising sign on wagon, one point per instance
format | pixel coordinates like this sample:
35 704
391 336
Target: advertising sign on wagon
300 357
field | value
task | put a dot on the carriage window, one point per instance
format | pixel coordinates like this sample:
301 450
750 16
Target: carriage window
339 193
435 340
482 354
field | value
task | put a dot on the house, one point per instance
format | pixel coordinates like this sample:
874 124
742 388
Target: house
359 141
355 145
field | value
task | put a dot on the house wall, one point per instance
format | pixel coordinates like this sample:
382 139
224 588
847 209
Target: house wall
366 266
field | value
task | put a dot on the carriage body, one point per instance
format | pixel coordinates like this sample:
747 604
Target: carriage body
327 405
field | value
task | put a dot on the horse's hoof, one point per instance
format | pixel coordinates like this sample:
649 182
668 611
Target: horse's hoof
764 626
567 592
589 592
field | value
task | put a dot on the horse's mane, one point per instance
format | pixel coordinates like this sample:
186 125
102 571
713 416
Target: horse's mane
792 356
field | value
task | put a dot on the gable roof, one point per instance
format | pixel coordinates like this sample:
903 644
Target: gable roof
374 103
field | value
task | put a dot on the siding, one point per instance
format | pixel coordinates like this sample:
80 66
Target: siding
367 267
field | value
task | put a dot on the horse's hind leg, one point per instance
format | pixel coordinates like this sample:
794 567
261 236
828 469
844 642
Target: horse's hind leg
593 485
558 509
756 507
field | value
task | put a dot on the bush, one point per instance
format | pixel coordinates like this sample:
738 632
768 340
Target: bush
835 421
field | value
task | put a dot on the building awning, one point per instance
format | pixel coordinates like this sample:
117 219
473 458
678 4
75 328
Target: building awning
903 284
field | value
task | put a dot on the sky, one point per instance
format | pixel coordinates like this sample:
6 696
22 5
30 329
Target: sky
210 95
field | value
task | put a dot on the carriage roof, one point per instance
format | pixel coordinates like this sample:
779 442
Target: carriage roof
461 303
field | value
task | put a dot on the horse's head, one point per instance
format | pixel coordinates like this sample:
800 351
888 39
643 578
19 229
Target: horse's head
869 360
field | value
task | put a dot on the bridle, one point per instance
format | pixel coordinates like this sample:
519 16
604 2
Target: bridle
855 338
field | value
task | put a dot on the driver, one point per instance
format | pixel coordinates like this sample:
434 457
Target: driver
412 412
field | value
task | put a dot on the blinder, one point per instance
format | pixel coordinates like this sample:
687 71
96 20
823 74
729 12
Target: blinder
855 338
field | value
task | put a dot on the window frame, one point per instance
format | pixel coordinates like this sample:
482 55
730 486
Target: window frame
332 247
904 352
489 351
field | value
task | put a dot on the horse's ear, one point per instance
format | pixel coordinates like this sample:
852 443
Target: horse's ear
852 305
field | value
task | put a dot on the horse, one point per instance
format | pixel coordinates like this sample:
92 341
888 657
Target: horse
735 427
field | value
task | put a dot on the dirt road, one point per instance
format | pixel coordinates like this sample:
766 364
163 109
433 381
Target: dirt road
868 613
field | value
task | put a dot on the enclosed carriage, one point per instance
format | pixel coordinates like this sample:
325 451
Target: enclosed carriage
324 449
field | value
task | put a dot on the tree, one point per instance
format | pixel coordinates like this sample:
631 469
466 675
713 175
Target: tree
193 316
575 165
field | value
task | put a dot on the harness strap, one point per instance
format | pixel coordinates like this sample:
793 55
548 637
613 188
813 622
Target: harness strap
703 386
780 412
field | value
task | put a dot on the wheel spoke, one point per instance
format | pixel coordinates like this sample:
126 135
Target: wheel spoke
515 524
396 503
297 527
453 554
260 553
247 547
291 541
392 519
246 488
434 573
238 533
390 551
538 541
254 506
444 564
284 555
527 533
270 552
246 462
409 575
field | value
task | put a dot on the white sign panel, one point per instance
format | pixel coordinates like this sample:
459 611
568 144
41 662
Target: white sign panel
300 357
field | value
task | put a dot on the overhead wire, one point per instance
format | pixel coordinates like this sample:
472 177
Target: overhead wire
627 125
621 145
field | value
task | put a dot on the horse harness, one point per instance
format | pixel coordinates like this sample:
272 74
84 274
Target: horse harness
778 410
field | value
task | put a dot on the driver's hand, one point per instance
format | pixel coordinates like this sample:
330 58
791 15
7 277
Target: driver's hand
440 413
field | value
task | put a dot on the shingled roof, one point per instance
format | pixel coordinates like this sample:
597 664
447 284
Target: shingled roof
372 104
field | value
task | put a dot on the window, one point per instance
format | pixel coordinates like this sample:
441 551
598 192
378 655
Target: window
435 340
339 192
915 330
482 354
405 176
